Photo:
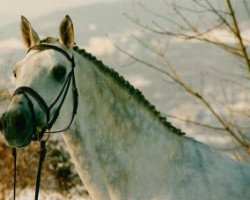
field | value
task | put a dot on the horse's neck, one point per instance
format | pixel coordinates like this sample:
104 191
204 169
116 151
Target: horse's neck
113 127
108 108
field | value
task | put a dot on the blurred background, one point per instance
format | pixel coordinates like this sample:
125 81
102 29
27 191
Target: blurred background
190 58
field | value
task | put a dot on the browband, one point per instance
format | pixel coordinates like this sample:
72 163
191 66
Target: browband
42 47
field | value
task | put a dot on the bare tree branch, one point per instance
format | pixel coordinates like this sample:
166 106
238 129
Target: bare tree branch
175 77
237 33
187 36
196 123
224 19
221 17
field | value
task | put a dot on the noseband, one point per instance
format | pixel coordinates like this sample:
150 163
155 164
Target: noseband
50 120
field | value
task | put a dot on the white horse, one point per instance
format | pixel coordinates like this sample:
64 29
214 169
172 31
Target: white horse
121 147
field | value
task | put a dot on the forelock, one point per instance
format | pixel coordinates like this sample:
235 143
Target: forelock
50 40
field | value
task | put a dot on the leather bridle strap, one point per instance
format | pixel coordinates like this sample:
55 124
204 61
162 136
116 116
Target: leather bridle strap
27 90
14 170
40 165
42 47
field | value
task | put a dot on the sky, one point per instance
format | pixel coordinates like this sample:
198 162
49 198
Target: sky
11 10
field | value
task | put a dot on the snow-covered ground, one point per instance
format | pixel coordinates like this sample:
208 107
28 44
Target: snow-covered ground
100 23
28 194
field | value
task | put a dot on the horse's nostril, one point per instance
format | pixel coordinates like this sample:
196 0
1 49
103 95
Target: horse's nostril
1 124
13 121
19 122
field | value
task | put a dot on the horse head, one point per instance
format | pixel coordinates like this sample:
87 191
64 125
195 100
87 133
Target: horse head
41 78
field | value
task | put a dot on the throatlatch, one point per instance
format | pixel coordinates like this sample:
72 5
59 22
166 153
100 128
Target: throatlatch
50 121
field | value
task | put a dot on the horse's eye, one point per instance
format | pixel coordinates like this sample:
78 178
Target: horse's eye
14 73
59 73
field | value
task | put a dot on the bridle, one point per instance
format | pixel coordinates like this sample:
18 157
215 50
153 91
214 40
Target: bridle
29 93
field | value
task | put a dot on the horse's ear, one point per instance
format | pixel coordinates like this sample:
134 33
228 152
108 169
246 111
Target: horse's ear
66 31
29 35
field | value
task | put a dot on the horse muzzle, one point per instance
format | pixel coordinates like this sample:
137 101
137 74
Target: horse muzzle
16 127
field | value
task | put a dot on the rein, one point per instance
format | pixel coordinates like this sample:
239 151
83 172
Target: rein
50 120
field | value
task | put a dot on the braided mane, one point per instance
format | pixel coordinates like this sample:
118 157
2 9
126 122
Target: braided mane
133 91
